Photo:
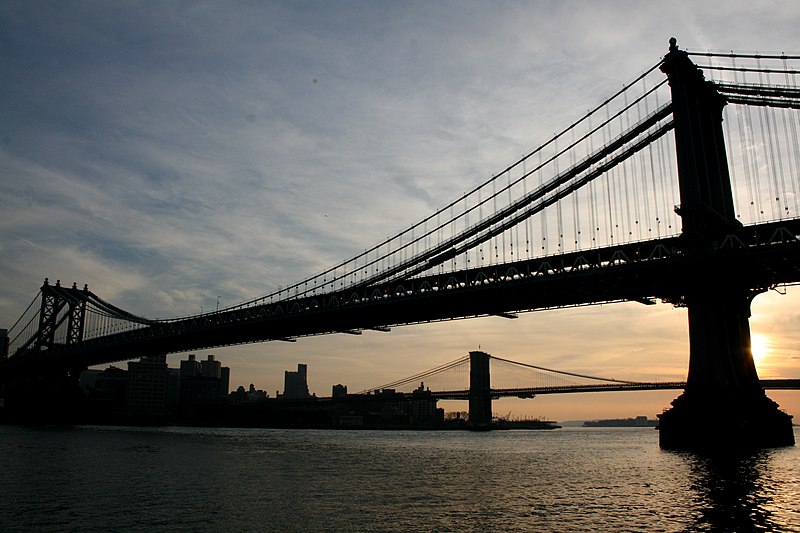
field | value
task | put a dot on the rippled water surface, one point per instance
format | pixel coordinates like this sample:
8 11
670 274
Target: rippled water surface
99 479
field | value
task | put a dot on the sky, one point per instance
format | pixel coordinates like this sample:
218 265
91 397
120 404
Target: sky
173 155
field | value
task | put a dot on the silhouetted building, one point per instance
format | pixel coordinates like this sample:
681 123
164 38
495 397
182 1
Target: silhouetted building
173 388
87 380
339 391
242 396
190 367
146 395
254 395
385 408
111 382
422 407
211 368
224 381
202 383
639 421
239 396
105 393
295 384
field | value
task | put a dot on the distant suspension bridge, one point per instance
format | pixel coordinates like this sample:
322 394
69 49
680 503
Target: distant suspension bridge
507 378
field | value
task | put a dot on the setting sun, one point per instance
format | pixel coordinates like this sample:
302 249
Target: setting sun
760 345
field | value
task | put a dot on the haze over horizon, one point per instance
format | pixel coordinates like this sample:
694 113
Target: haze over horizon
174 156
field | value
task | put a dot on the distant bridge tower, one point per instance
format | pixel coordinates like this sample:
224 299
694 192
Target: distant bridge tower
723 402
480 399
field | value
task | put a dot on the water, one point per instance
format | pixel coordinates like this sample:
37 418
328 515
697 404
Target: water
193 479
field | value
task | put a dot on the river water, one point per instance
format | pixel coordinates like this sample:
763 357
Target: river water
571 479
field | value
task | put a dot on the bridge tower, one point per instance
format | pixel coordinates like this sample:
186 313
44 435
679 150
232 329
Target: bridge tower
723 403
480 398
48 393
54 300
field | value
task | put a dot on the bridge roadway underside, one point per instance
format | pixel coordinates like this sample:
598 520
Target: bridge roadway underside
754 259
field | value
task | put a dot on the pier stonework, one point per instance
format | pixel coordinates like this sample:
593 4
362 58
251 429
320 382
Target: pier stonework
723 403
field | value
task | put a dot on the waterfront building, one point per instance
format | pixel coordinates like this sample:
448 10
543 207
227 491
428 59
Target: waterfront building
422 407
190 367
88 380
211 368
173 388
146 394
202 383
252 395
295 384
105 393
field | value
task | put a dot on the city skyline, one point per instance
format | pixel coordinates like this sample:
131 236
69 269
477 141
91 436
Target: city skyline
176 158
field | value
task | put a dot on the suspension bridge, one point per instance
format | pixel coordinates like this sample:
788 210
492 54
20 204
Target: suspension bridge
480 378
610 209
455 380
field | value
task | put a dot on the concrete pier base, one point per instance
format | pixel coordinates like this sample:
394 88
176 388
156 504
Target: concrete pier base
721 421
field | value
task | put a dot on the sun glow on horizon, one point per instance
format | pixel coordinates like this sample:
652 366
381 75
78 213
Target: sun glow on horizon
761 347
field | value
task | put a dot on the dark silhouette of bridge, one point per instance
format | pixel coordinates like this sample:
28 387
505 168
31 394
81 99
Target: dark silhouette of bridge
471 378
591 216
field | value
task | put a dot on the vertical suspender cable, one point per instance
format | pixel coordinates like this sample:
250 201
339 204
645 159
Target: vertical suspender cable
516 227
772 123
652 182
732 164
592 200
543 213
528 219
766 140
643 220
779 152
794 137
558 205
609 177
575 207
625 186
753 162
494 200
466 225
744 141
671 165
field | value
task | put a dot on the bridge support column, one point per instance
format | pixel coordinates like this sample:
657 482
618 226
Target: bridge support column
723 404
480 399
